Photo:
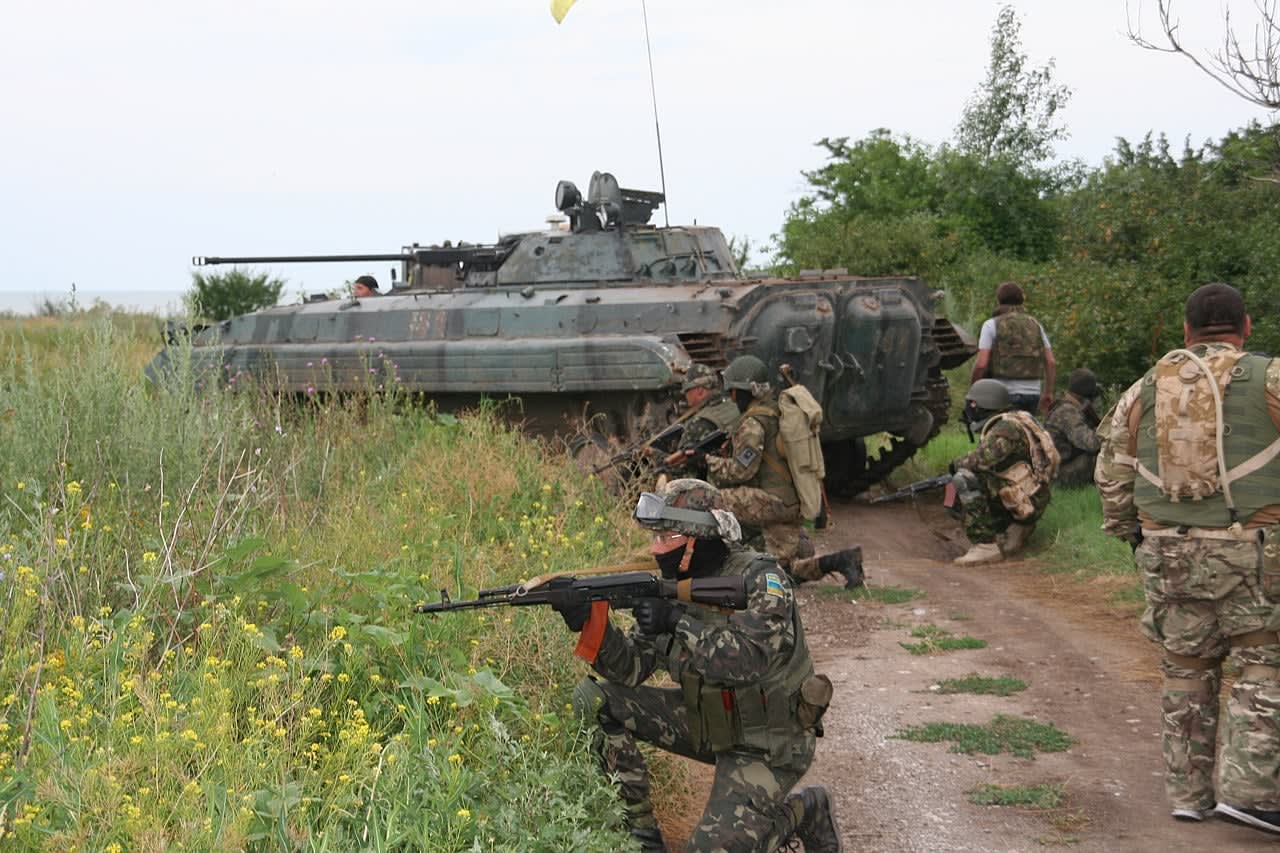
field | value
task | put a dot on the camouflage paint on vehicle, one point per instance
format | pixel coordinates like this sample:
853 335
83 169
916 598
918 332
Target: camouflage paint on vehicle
603 320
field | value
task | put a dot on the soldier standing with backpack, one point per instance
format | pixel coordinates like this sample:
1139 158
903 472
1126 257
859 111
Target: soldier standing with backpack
758 484
1190 477
1014 349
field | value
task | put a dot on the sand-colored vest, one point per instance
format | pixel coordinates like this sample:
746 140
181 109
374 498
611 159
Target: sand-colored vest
1180 472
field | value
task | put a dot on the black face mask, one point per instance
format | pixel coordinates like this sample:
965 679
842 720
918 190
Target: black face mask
708 556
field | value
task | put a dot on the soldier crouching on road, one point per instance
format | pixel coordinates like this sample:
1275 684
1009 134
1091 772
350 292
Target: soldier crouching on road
1002 484
758 485
1190 477
748 700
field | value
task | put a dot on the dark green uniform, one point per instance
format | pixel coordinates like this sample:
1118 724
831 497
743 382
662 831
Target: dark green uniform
736 706
1072 423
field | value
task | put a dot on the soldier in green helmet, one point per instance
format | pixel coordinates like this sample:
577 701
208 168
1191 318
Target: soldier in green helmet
747 699
1189 473
1003 483
758 485
1073 423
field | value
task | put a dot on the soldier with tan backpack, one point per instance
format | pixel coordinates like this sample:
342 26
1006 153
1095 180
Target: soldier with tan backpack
771 477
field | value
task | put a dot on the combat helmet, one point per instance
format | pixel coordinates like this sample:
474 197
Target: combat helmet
698 376
986 397
745 373
989 394
688 506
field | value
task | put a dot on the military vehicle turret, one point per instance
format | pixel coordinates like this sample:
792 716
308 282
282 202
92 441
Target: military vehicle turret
594 322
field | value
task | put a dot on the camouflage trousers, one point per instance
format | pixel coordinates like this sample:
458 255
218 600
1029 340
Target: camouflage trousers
986 518
1209 599
780 524
745 811
1077 472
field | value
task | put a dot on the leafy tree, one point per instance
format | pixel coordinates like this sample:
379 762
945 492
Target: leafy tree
220 296
1014 113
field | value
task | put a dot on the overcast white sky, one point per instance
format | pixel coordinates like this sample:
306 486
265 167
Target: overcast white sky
137 134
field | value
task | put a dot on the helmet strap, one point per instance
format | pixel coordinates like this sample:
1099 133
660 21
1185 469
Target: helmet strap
688 555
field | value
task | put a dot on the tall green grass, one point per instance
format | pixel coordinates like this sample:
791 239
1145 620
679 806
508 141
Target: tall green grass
205 607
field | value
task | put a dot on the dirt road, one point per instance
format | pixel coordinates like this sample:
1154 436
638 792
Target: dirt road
1089 672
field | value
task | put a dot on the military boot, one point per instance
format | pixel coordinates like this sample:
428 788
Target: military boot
1015 538
650 840
847 563
816 820
983 552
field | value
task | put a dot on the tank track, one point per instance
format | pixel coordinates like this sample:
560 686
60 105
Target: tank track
881 465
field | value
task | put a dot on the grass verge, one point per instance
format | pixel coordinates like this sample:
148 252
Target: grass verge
1015 735
935 640
1002 685
1026 796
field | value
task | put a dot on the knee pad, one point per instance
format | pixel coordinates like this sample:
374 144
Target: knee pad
588 700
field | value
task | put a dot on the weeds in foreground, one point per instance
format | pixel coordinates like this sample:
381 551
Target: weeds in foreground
1015 735
1003 685
206 611
936 640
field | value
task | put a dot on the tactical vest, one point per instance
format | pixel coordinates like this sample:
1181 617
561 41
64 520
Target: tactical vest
773 476
760 716
1179 481
1018 351
1026 484
722 412
1066 450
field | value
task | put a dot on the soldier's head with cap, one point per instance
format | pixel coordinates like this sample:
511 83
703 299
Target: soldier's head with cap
1215 312
365 285
1083 383
692 528
700 383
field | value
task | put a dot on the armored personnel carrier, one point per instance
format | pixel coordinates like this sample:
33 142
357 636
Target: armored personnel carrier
593 323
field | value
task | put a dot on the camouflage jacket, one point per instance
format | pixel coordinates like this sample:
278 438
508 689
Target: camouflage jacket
1116 469
740 648
1072 423
1002 446
743 465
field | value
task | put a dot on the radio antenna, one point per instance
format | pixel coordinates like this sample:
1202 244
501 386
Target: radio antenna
657 131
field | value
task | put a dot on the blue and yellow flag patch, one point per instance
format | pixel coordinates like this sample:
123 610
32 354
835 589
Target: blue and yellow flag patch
773 585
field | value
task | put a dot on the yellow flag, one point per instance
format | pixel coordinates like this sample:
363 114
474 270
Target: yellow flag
560 8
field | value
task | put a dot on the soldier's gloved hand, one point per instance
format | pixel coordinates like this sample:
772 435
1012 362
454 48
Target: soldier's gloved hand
656 616
574 607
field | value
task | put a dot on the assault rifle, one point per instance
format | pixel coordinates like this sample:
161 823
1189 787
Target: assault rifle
680 458
622 590
941 481
664 440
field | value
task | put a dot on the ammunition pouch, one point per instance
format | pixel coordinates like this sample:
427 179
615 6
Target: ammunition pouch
1020 487
814 699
